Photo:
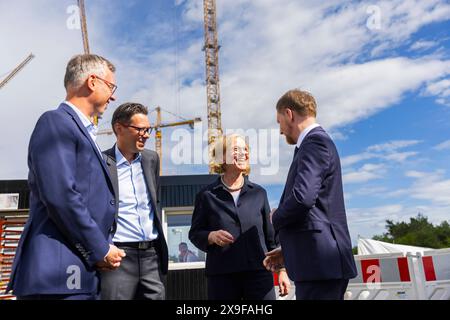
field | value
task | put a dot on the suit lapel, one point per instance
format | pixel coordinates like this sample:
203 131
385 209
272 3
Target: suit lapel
291 169
85 133
148 167
110 159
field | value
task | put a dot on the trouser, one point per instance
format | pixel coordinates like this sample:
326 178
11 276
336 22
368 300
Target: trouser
321 290
139 276
84 296
248 285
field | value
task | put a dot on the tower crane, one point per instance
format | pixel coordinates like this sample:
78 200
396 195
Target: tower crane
211 49
83 23
16 70
158 134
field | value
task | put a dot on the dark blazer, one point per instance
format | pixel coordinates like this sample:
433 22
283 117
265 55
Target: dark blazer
311 219
248 222
150 167
71 210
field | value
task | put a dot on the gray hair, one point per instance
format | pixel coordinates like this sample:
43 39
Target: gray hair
81 66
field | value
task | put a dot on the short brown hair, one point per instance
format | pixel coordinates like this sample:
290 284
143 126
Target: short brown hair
299 101
218 160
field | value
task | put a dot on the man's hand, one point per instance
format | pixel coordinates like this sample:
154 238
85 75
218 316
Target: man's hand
220 237
274 260
112 259
284 284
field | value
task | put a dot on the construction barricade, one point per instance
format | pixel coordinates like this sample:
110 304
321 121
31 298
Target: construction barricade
398 276
435 267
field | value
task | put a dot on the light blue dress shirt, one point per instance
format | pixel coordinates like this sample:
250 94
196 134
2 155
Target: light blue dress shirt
90 127
136 216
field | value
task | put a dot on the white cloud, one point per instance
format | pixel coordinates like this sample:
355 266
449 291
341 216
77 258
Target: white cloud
433 187
393 145
366 173
319 46
443 146
441 89
400 156
423 45
355 158
415 174
385 152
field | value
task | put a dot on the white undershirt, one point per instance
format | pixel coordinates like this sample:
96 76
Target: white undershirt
235 195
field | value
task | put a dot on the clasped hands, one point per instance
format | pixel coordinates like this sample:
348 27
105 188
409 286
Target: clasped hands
112 259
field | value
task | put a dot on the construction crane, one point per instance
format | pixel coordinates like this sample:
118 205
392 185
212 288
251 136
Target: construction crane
16 70
84 35
158 134
211 49
83 23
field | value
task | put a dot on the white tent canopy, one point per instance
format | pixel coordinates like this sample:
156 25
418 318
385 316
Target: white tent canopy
369 246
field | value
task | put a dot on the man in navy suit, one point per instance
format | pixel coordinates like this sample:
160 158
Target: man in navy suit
67 238
310 219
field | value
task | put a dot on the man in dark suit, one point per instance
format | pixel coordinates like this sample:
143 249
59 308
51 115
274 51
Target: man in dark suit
138 229
67 237
311 219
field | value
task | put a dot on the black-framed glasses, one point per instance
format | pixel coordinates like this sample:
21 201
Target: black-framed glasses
110 85
141 131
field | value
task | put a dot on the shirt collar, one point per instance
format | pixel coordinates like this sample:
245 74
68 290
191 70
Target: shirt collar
247 183
85 120
120 159
305 132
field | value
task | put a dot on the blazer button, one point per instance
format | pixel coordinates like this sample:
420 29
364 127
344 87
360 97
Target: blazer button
112 202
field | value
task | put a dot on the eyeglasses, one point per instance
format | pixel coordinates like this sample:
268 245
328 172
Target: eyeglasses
141 131
110 85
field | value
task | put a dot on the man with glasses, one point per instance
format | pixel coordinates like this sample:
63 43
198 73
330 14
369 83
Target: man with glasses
68 236
138 231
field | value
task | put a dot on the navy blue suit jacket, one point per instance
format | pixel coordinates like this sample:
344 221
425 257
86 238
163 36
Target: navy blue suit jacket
248 222
71 210
310 219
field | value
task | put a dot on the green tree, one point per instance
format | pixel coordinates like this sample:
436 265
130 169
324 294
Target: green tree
417 232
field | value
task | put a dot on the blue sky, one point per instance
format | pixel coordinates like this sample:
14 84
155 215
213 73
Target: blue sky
380 71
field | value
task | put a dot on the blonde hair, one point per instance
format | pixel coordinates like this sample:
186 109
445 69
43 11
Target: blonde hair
219 151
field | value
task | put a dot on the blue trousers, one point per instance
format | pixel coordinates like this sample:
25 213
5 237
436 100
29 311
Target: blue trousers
321 290
86 296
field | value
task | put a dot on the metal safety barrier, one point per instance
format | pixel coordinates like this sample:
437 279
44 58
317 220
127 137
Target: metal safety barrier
399 276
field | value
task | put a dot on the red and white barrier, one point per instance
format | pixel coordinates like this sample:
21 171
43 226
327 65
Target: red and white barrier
398 277
436 270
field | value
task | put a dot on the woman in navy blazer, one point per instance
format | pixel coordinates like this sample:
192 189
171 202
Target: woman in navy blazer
231 224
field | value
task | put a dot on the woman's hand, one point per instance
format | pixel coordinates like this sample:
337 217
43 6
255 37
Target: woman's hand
221 238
